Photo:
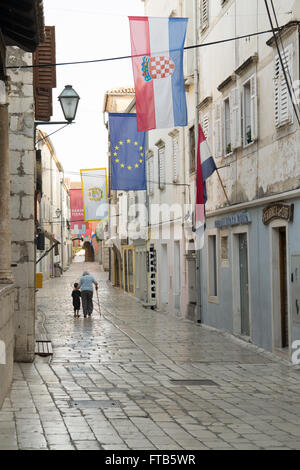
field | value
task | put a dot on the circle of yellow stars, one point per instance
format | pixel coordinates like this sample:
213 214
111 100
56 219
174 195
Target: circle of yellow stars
140 152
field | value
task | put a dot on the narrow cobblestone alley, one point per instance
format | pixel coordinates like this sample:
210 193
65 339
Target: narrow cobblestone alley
110 383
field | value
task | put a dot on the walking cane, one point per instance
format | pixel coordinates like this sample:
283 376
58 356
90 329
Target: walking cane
98 302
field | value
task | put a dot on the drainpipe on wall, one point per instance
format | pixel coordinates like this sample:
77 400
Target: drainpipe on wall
61 220
52 274
109 212
196 92
148 231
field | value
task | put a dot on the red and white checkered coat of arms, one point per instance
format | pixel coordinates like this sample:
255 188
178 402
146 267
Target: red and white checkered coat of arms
154 68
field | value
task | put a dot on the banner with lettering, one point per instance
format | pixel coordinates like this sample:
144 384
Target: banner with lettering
94 194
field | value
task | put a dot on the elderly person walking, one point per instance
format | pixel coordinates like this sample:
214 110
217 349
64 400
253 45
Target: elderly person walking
86 285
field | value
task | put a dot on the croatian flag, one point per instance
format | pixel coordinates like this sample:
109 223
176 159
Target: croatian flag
157 60
205 168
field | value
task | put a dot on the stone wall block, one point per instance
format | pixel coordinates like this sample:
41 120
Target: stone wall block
22 163
20 105
23 185
23 230
29 125
27 207
17 299
21 124
28 91
26 77
15 205
26 301
6 335
24 346
29 162
7 299
20 142
15 161
21 322
23 252
24 274
15 123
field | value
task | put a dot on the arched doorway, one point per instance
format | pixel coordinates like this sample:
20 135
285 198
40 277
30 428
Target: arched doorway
89 252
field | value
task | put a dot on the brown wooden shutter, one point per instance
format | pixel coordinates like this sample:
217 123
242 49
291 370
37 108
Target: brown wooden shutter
44 77
43 104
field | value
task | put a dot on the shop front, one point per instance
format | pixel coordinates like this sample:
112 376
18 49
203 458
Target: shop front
250 269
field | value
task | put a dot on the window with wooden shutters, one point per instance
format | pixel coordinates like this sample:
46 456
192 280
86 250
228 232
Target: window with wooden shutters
162 166
283 104
204 14
175 156
136 202
227 126
236 118
43 104
151 176
250 130
192 141
253 107
205 127
44 77
218 130
132 205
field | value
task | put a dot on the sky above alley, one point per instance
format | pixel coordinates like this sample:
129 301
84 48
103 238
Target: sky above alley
89 30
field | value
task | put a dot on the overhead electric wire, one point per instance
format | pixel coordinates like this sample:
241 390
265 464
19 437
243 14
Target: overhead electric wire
281 61
109 59
109 14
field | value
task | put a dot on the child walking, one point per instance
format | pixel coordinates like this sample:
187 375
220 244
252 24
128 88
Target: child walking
76 294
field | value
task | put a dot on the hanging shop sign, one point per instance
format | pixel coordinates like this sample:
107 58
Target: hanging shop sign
278 211
236 219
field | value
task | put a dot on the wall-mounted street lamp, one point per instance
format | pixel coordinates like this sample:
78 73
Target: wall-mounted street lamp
69 101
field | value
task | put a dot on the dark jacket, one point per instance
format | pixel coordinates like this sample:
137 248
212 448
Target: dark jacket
76 294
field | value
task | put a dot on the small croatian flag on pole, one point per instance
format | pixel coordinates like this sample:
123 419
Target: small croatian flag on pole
157 46
205 168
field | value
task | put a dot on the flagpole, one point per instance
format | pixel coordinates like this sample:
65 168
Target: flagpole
196 93
223 187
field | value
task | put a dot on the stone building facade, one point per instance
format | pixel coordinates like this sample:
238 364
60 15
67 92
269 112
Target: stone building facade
245 280
53 210
6 281
171 187
22 161
249 284
117 101
16 145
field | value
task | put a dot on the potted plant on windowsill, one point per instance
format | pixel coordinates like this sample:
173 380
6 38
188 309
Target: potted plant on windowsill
249 135
228 148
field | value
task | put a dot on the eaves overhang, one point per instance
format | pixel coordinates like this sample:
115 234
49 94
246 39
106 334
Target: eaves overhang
22 23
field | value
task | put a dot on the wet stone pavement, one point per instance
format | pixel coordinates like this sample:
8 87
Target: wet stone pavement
110 384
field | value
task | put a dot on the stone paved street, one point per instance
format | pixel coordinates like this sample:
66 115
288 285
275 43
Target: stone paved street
109 385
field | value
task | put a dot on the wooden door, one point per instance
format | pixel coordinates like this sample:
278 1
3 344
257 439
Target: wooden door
283 288
244 284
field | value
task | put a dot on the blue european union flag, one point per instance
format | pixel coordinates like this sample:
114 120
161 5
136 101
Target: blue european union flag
128 156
